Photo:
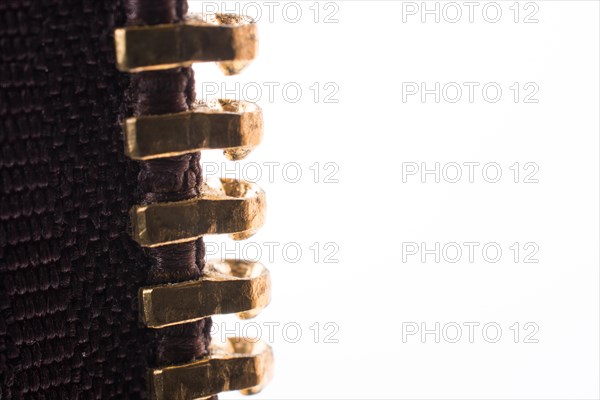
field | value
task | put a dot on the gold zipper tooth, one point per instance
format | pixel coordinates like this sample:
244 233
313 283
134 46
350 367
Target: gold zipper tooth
227 287
240 208
233 126
228 39
239 364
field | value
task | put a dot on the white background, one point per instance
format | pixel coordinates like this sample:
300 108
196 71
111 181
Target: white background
368 134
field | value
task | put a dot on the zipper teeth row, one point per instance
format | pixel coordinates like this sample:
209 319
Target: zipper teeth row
165 134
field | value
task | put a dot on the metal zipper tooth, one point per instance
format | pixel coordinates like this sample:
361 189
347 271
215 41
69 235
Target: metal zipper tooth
240 364
238 209
227 287
233 126
229 39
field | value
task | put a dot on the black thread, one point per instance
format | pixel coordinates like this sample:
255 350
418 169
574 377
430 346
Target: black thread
171 179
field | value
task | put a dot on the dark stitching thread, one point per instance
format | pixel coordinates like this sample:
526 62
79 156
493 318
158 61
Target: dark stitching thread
171 179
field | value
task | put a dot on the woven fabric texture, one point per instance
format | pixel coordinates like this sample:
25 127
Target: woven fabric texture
69 273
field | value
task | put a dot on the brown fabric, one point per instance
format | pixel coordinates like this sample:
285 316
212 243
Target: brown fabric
69 273
68 270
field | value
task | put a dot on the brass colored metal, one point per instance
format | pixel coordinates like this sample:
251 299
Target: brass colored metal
229 39
237 206
227 287
236 126
238 365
